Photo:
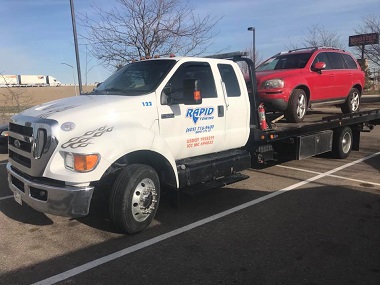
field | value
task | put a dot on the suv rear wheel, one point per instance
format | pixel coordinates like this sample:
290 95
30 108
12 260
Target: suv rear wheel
352 103
297 106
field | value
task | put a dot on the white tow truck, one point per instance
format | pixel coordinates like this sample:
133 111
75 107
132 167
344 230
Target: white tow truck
175 123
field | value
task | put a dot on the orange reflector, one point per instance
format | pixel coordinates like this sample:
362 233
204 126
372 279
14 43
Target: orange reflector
262 137
84 162
271 137
197 95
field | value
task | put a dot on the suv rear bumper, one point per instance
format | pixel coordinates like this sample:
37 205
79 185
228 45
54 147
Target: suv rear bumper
58 200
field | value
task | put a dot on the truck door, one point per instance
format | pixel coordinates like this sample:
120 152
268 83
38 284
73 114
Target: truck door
192 130
237 109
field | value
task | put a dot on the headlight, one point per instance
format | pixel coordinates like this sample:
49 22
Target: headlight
81 162
4 134
273 83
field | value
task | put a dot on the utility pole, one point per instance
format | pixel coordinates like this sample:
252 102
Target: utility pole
76 46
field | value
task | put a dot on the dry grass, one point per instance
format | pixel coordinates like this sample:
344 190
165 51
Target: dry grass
38 95
13 100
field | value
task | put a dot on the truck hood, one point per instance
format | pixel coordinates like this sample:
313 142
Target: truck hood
85 107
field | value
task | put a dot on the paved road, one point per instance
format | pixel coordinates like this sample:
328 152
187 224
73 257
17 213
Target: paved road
315 221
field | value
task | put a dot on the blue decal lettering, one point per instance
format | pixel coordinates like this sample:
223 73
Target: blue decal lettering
200 114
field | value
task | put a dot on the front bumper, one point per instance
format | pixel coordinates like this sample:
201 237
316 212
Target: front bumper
60 200
274 99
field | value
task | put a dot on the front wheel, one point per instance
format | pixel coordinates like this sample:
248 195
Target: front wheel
352 103
342 142
134 198
297 106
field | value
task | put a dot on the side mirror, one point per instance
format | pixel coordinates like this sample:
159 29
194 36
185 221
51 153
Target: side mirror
192 92
166 98
319 66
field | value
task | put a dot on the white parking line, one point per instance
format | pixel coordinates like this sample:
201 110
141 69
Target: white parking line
6 197
3 163
334 176
92 264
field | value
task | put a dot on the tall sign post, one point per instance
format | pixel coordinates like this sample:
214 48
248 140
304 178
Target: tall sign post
363 40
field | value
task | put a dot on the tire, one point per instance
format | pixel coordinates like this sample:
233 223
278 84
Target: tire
297 106
342 142
134 198
352 103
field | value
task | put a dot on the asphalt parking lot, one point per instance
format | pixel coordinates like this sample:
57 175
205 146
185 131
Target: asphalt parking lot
315 221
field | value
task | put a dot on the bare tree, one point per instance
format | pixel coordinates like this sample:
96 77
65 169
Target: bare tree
143 28
371 24
318 36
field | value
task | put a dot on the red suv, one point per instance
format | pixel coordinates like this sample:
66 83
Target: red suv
295 80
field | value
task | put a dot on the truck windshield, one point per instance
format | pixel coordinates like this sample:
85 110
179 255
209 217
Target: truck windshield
285 61
136 78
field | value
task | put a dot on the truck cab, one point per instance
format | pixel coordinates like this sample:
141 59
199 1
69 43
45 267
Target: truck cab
167 122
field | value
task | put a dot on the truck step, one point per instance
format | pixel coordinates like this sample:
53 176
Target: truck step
232 178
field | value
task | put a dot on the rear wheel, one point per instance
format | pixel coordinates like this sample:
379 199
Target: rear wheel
297 106
352 103
134 198
342 142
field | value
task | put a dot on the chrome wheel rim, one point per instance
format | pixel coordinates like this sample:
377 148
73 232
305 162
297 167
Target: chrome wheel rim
346 142
301 106
355 101
144 200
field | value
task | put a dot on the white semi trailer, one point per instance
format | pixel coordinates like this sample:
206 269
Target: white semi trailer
28 80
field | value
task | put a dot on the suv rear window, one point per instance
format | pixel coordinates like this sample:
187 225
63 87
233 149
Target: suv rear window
285 61
350 62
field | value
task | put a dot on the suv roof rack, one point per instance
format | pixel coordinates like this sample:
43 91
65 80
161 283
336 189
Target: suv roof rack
313 48
229 55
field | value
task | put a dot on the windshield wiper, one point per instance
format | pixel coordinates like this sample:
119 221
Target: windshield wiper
113 90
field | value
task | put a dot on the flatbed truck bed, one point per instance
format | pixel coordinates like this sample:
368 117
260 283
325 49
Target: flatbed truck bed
312 136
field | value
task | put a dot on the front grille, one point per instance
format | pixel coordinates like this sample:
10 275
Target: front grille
26 131
20 159
31 143
25 146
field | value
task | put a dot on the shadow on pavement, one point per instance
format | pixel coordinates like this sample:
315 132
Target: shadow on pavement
318 235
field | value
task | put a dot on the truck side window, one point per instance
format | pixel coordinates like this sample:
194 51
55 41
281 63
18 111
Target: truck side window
230 80
193 70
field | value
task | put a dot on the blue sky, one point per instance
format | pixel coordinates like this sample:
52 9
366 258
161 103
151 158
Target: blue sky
37 34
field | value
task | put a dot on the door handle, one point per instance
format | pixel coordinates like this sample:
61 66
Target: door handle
221 111
167 116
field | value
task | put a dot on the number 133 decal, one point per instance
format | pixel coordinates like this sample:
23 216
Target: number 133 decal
147 104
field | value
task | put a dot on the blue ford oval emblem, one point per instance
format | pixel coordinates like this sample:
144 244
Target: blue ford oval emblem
17 144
